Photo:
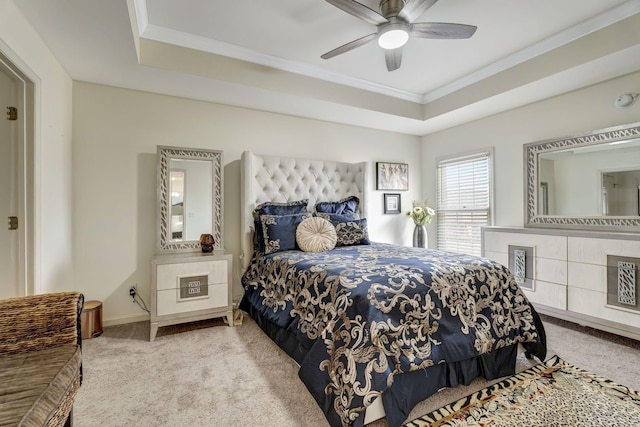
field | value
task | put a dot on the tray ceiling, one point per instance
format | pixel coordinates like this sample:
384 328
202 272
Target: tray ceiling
266 55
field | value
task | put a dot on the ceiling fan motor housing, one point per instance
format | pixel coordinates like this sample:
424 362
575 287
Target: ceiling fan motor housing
391 8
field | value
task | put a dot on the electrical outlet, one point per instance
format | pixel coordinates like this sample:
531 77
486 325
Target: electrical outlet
132 291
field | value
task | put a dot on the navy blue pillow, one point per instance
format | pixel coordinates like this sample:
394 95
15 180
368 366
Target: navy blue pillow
274 208
279 231
277 208
350 231
347 206
258 238
337 218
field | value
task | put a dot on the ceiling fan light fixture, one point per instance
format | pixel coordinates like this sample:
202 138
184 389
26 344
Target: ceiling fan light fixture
393 36
395 25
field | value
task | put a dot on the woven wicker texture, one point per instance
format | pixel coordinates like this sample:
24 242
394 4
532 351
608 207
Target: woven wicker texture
65 410
30 329
40 321
39 388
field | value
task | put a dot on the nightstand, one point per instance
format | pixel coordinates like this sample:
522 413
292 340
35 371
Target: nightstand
189 287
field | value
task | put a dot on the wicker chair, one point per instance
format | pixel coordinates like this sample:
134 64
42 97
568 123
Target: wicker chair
40 359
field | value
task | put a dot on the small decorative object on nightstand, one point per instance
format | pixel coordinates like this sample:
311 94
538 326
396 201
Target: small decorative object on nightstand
206 243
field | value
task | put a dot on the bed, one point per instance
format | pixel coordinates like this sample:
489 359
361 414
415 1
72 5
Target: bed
374 327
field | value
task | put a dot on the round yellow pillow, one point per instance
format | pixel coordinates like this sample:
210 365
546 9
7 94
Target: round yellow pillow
316 235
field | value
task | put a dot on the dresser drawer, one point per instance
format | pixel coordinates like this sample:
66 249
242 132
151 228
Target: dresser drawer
591 278
168 275
170 302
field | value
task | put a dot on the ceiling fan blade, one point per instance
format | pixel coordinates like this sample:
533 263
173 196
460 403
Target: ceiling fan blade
442 30
349 46
359 11
393 58
413 9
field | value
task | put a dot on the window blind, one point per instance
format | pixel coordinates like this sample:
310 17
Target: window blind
463 202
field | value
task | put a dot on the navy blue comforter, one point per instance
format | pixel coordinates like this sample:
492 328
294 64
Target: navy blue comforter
364 314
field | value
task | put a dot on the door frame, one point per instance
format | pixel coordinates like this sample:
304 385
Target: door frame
28 167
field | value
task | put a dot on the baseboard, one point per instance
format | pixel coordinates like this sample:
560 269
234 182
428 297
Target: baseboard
590 321
125 319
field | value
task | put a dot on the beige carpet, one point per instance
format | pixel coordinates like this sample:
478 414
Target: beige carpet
209 374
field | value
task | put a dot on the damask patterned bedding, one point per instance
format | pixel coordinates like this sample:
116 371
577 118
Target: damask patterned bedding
358 318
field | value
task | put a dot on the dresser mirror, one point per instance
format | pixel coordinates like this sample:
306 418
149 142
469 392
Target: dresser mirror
190 183
589 182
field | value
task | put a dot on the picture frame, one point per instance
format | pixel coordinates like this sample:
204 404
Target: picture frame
392 203
392 176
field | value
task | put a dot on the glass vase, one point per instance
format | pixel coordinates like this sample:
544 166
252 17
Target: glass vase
420 237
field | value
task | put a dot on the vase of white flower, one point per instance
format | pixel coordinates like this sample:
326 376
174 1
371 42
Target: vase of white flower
420 237
421 215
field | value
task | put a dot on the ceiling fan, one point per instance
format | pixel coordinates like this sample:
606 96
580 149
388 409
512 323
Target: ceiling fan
395 26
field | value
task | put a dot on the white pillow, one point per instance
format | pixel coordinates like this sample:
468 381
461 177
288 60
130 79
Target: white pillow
316 235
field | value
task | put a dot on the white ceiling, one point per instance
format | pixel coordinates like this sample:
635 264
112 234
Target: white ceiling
266 55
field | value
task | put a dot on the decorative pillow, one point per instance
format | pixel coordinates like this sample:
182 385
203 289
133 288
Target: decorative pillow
347 206
337 218
316 235
274 208
351 231
277 208
258 237
279 231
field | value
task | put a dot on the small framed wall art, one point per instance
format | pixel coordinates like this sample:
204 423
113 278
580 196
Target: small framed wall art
391 203
392 176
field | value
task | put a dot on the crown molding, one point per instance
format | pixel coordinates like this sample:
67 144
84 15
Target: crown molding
192 41
188 40
582 29
141 14
180 38
138 18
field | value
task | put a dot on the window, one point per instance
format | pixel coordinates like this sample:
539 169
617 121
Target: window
464 194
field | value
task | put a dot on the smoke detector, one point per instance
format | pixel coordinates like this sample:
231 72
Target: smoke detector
625 100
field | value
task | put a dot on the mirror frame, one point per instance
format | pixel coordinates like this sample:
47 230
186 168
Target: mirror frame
603 223
164 156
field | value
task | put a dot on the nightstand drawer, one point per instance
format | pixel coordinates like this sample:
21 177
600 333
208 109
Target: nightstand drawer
170 301
168 275
190 287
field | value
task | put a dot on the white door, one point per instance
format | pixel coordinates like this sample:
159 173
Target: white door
9 282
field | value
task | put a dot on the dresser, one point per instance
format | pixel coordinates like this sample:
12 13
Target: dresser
589 278
190 286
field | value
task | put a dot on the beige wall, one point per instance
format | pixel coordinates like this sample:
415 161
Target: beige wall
570 114
25 49
96 196
115 134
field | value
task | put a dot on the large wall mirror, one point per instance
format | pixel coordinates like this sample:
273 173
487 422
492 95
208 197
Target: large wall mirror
590 181
190 183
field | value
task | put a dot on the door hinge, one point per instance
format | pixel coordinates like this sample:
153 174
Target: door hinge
12 113
13 223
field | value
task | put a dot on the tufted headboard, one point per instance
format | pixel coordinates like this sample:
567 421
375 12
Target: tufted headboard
285 179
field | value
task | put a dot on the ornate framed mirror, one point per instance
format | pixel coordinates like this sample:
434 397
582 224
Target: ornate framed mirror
589 182
190 201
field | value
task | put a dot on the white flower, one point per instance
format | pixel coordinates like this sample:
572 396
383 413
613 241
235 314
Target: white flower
421 214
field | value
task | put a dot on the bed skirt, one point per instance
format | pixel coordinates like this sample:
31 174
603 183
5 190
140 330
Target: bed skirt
410 388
